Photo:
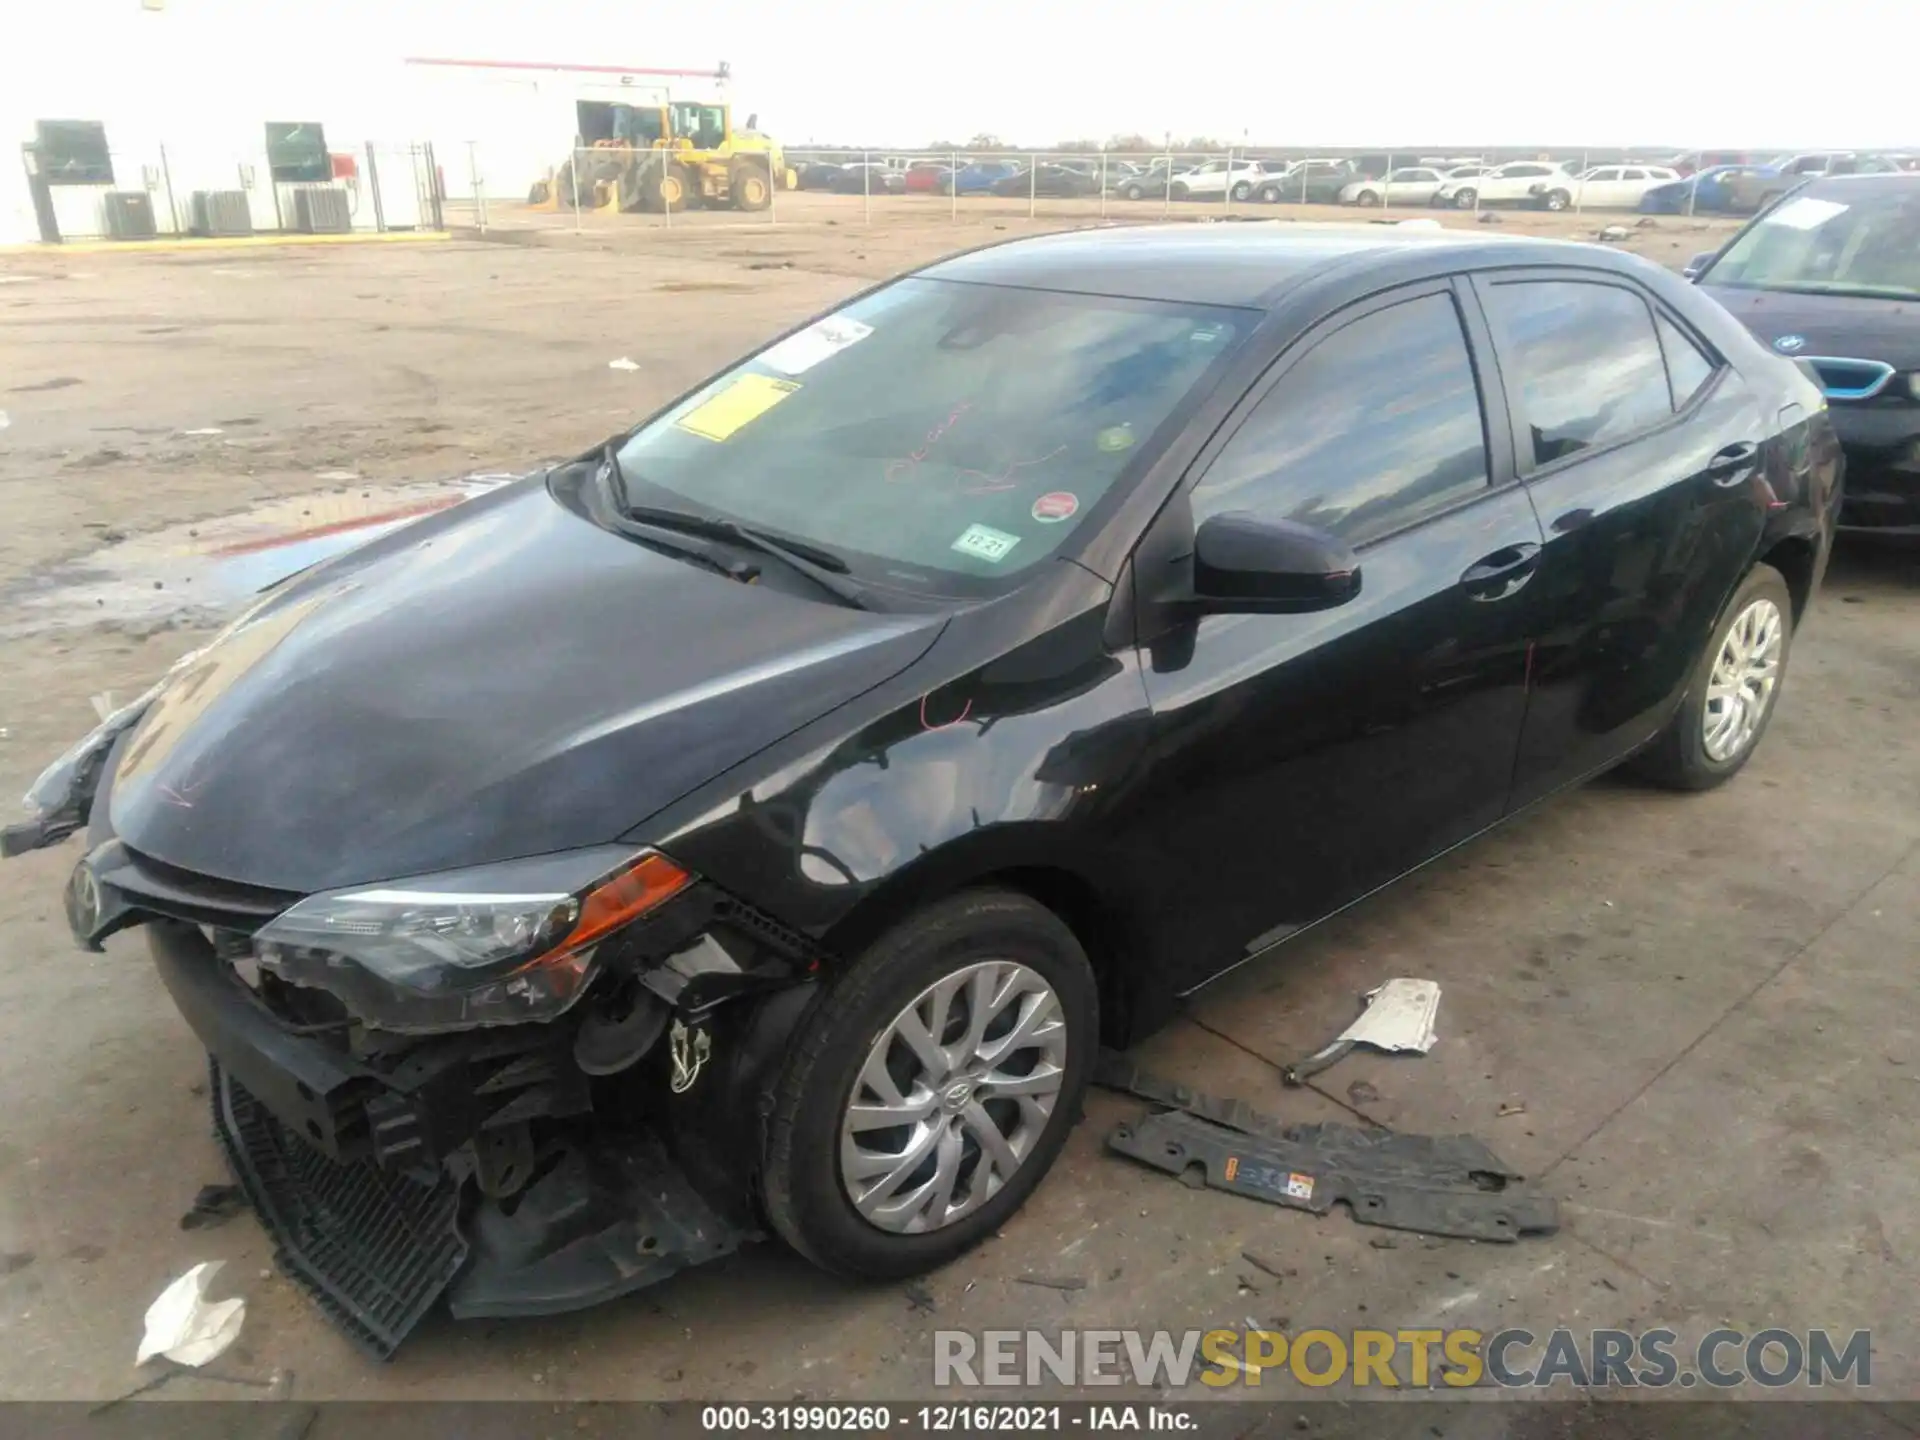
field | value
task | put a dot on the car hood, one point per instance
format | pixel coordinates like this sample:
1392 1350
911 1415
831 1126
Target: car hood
503 679
1852 326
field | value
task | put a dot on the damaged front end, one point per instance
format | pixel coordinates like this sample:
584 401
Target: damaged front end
526 1093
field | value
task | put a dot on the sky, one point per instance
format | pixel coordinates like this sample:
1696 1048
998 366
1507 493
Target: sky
1369 73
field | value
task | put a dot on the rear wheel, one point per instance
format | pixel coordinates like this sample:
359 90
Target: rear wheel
1557 200
1241 190
1731 695
1268 194
668 187
1178 191
1465 199
1368 198
1133 190
930 1087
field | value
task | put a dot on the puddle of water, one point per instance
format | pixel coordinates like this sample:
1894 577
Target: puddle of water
206 569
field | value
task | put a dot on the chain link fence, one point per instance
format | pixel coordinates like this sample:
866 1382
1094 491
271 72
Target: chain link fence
614 186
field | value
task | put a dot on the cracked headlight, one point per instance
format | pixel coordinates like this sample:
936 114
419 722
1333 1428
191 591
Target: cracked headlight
494 945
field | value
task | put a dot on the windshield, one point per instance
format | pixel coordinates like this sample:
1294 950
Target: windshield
1858 241
938 436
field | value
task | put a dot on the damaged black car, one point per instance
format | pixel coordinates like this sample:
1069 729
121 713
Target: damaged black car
759 822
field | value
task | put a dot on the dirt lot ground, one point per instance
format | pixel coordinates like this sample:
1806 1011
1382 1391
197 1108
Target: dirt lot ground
1690 1019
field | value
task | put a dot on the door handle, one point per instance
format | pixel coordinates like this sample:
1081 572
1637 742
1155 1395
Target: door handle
1733 463
1496 576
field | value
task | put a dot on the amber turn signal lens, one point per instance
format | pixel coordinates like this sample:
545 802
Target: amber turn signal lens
625 895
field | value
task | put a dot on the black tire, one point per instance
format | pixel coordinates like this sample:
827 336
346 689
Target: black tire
1465 199
1177 191
1366 199
1677 758
1268 194
750 185
1556 200
805 1199
1241 189
1132 191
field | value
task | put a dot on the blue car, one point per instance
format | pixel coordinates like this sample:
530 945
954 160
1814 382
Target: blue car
1711 195
977 178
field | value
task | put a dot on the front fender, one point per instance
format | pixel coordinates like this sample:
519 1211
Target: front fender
982 758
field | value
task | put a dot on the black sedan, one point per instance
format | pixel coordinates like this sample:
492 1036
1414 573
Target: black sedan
761 820
1830 276
868 178
1054 181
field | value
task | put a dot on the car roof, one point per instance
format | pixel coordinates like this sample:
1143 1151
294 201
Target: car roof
1249 264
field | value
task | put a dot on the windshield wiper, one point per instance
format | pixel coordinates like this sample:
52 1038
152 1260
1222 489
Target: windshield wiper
820 565
609 511
1842 288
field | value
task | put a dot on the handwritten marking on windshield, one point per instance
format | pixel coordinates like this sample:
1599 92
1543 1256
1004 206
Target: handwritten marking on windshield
926 724
903 468
989 484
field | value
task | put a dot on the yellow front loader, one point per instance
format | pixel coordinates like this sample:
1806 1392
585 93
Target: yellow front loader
674 155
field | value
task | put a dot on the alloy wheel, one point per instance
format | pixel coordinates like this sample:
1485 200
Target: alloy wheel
1741 686
953 1097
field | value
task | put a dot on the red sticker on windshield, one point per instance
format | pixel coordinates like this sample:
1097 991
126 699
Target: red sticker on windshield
1055 505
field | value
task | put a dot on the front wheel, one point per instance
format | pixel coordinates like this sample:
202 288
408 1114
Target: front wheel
1465 199
1268 195
1367 198
930 1087
1132 192
1177 192
1731 695
1241 190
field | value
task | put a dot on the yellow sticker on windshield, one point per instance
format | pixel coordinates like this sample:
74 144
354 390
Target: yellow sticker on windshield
745 400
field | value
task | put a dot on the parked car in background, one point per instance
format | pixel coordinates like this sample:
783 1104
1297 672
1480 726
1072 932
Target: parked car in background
1762 184
870 177
1520 182
1144 182
1704 192
976 177
1409 185
1215 179
734 829
1830 277
1308 182
924 177
1050 180
1691 162
1618 187
817 174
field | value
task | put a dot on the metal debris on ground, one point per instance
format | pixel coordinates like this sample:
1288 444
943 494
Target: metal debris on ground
1510 1107
1436 1185
1615 232
1052 1282
1399 1017
212 1205
185 1327
623 363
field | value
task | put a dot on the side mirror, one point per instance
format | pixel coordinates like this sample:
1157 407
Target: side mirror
1245 565
1691 270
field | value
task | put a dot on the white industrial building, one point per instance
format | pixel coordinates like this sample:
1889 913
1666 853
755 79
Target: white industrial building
161 113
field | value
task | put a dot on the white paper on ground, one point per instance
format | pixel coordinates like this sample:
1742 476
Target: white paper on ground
1399 1016
184 1327
1805 213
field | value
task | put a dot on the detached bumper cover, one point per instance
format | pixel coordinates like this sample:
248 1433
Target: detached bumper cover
339 1162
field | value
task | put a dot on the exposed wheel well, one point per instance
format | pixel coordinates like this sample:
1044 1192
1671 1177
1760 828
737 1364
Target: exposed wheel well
1101 932
1794 558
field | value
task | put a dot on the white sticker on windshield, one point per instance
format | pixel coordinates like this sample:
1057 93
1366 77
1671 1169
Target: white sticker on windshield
1805 213
983 542
798 354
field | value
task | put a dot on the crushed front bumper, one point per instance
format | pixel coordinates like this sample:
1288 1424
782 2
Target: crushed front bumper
1881 439
366 1183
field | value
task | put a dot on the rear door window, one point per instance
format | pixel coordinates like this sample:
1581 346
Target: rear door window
1375 428
1688 367
1581 360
